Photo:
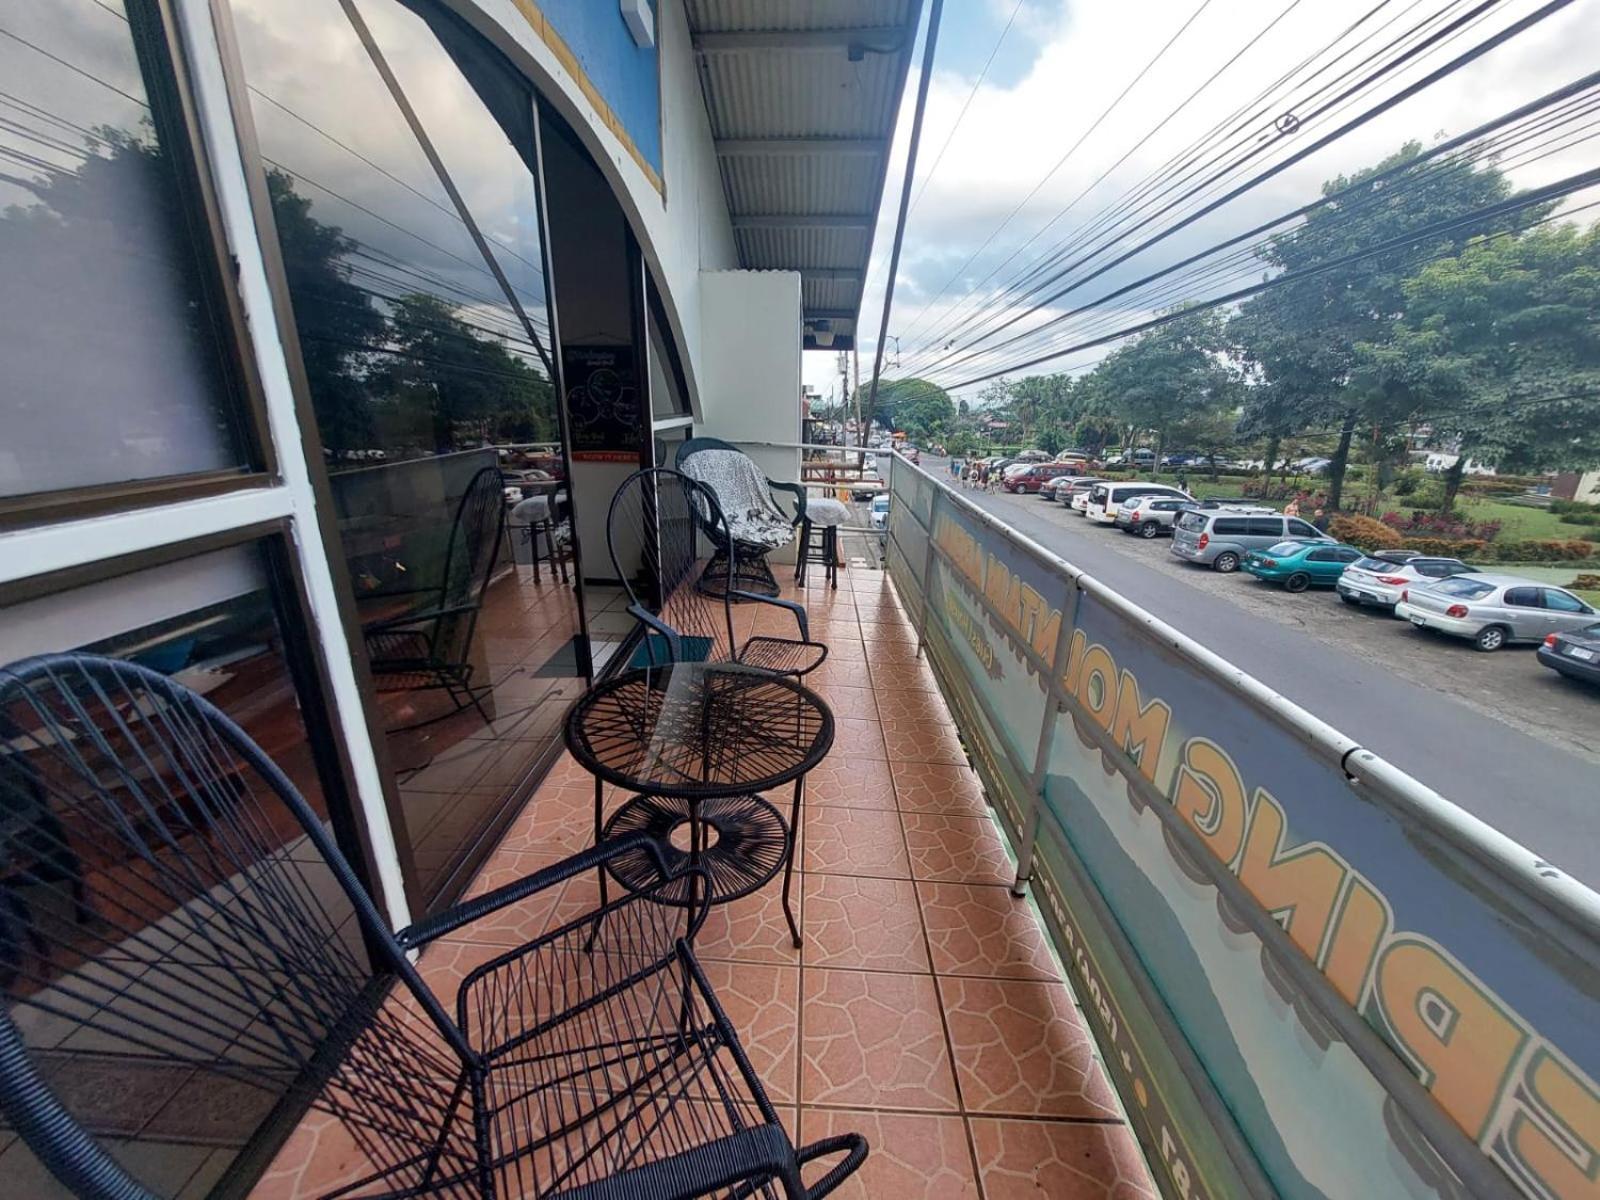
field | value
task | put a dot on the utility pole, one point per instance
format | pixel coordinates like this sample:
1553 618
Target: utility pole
928 50
855 355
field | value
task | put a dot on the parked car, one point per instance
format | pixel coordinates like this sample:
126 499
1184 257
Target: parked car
1076 494
1106 498
1575 653
1379 578
1081 457
1150 516
1139 457
1299 564
1032 456
878 514
1033 476
1493 610
1220 537
1312 466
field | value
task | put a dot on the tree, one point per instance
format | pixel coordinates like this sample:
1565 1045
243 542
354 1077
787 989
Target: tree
1502 339
917 406
1303 334
1174 374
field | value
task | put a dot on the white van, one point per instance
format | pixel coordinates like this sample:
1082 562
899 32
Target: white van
1106 498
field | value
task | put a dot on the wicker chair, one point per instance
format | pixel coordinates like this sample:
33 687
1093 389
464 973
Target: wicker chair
430 647
672 524
754 522
593 1063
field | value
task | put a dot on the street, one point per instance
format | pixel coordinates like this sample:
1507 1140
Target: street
1506 739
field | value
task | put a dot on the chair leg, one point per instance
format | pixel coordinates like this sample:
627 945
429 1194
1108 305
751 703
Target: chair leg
533 549
556 561
788 866
599 834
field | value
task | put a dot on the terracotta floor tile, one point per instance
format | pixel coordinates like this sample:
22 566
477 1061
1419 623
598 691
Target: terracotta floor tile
911 1156
852 921
874 1040
838 673
938 787
984 931
752 929
893 629
954 849
850 701
517 923
555 823
914 705
847 649
922 739
1022 1049
846 782
902 675
855 841
320 1157
1029 1160
857 737
762 1002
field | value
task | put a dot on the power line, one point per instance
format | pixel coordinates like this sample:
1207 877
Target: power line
1568 103
1563 187
1134 218
1405 93
1048 175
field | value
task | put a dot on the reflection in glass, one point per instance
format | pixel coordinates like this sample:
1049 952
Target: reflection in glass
98 952
115 370
426 355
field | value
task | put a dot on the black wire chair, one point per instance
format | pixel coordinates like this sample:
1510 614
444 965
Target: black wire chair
739 567
431 647
594 1063
660 530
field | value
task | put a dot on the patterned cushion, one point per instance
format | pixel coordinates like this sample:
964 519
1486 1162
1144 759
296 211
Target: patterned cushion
824 510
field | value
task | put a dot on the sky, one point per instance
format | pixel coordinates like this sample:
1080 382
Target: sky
1058 69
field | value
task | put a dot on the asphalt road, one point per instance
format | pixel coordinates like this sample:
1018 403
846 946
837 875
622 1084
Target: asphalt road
1505 738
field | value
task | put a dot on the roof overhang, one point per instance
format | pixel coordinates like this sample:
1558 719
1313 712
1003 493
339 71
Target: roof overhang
803 97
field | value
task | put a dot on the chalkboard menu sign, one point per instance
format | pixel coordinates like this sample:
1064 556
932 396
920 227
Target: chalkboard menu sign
602 403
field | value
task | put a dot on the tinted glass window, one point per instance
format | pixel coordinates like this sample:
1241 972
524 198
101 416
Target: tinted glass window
1375 564
1523 597
1192 521
1285 549
1561 601
1324 556
1097 495
1266 526
427 360
1302 529
1347 556
115 369
1235 526
1467 589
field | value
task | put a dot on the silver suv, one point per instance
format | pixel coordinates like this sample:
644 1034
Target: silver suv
1218 537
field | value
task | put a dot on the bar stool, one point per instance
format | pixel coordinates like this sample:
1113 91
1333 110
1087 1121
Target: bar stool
536 515
824 514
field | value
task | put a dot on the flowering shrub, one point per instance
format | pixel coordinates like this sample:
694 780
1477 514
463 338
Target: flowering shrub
1441 525
1464 548
1364 532
1545 550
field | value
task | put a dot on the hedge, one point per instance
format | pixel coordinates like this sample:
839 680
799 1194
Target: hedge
1447 547
1544 550
1364 532
1579 507
1494 487
1589 517
1586 583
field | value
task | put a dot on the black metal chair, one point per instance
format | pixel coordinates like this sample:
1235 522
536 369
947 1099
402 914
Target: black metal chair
594 1063
755 523
430 647
661 528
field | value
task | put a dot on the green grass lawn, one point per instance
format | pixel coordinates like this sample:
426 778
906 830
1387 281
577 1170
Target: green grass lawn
1519 522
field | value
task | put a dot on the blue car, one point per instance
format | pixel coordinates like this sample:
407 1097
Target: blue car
1299 564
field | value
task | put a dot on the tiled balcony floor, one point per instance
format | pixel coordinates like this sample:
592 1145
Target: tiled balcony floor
926 1009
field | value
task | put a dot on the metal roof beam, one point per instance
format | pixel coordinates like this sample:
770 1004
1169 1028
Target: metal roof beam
790 146
834 274
804 220
831 314
876 39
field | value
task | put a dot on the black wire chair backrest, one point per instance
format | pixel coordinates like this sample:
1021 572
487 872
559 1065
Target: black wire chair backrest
475 537
212 923
658 515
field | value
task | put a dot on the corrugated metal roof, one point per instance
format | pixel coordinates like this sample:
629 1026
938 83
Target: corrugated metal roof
803 96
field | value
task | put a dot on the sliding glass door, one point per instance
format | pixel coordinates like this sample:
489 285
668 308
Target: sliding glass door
400 155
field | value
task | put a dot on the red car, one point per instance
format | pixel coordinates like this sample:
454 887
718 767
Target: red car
1036 476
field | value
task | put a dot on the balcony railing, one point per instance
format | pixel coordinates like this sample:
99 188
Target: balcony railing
1308 973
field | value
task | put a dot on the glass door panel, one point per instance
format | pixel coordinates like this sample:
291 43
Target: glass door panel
403 190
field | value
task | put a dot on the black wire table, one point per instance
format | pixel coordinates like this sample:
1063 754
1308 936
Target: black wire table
697 743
